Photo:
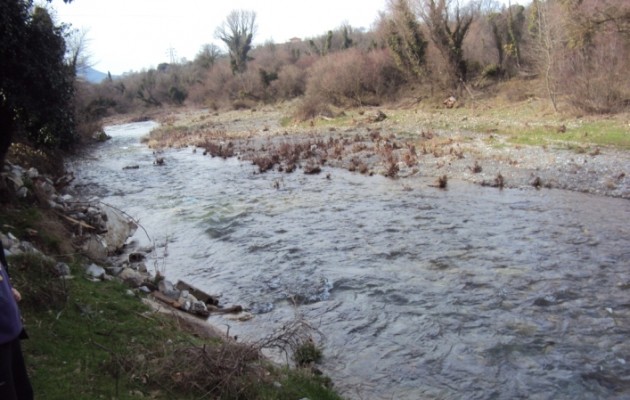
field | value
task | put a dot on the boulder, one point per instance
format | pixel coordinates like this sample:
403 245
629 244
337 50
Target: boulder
136 257
62 269
132 278
95 271
114 230
166 287
119 228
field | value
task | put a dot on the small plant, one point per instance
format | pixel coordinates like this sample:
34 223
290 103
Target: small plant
442 182
499 181
307 353
476 168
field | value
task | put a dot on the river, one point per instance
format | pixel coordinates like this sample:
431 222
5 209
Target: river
419 293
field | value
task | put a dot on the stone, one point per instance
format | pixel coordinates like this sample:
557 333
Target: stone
95 271
22 192
114 271
16 180
199 307
62 269
113 230
379 116
167 288
136 257
132 278
450 102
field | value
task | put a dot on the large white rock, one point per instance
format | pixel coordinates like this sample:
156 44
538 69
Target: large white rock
119 228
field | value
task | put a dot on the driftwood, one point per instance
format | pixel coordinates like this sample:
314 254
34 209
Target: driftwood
198 293
212 303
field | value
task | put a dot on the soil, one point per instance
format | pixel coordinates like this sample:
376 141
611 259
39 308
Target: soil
368 141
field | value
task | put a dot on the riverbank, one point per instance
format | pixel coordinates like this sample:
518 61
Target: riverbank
96 336
513 145
392 288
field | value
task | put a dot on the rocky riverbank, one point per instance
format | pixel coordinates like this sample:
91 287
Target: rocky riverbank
100 233
398 145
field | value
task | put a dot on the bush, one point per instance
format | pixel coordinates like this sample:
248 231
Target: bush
596 78
311 107
307 353
354 77
492 71
291 82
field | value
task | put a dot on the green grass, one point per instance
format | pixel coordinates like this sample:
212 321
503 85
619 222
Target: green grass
579 137
92 340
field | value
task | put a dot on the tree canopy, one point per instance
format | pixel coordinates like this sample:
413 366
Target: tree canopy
37 86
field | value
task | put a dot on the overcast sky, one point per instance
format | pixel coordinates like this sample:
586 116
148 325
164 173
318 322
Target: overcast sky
131 35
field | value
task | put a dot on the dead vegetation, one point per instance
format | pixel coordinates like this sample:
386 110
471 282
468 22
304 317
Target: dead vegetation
223 367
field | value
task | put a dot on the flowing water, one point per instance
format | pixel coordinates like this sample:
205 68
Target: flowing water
420 293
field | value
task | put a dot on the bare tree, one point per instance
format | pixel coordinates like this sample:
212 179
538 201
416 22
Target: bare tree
237 32
207 56
448 24
547 33
77 55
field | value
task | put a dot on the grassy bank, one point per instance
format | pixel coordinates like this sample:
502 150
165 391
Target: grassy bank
98 340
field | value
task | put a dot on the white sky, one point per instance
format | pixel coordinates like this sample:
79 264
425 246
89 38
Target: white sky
131 35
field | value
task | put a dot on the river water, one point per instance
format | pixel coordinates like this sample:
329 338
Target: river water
420 293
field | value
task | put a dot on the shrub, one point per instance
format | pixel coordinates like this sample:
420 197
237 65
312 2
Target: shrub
311 107
595 78
307 353
353 77
291 82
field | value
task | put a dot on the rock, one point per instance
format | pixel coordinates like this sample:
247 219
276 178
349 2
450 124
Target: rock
198 293
101 136
119 228
95 248
16 180
114 271
167 288
32 173
62 269
22 192
46 186
136 257
310 169
113 230
94 271
56 206
380 116
450 102
132 278
144 289
199 307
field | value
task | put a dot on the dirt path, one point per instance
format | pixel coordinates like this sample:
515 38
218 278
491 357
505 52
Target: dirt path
401 148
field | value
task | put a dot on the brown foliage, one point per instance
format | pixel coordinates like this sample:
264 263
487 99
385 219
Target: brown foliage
353 77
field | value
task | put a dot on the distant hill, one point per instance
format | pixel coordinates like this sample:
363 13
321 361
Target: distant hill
92 75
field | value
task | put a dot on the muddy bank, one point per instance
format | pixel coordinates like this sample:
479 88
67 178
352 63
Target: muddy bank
371 143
